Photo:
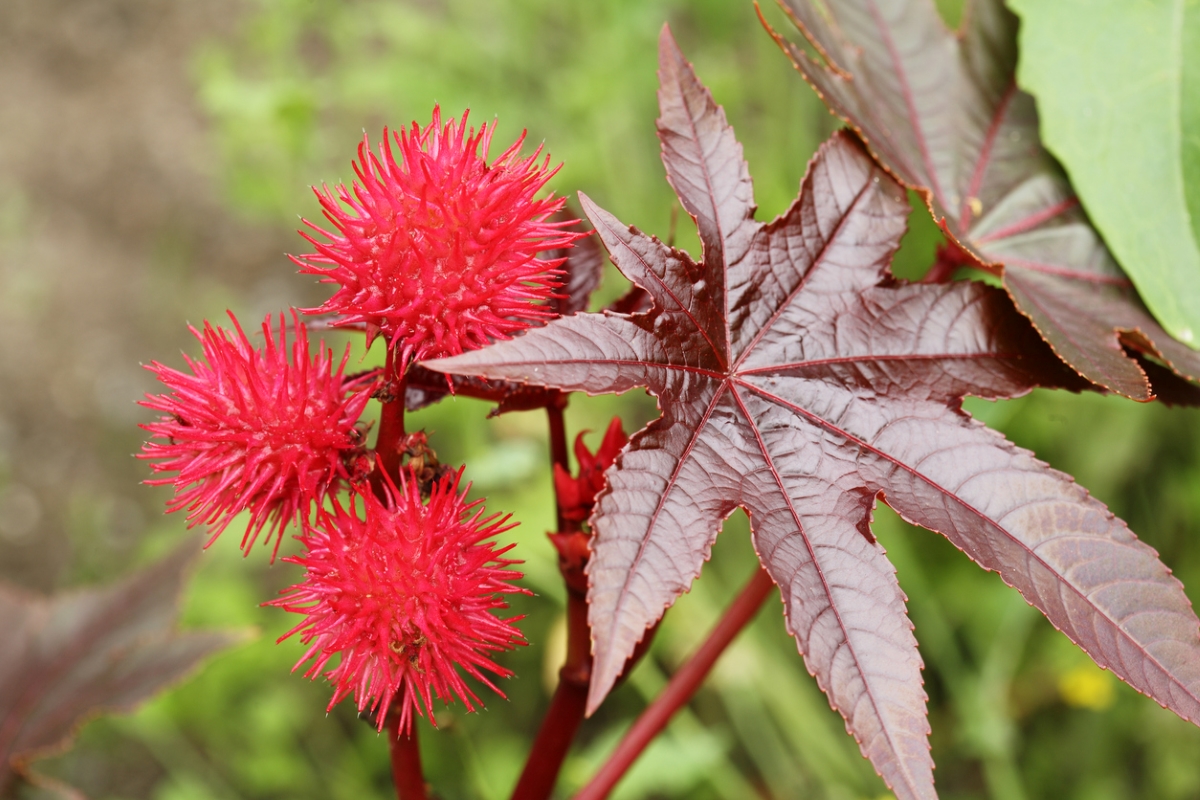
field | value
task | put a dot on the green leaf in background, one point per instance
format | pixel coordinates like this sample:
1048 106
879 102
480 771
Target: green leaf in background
1118 90
1190 111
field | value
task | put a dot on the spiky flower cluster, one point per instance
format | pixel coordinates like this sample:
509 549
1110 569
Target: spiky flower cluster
404 591
252 430
435 248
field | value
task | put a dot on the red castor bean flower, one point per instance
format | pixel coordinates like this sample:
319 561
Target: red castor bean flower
435 248
250 430
404 591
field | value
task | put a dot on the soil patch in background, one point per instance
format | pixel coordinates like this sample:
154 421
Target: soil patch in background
113 236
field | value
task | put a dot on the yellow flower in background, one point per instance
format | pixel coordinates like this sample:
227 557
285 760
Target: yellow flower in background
1087 686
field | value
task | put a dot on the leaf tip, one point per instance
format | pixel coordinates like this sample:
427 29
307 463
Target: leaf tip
667 44
589 206
601 684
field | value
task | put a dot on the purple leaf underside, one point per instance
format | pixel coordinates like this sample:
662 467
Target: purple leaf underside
582 269
943 113
796 379
70 656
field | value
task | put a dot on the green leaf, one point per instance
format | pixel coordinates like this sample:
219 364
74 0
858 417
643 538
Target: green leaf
1118 90
1190 112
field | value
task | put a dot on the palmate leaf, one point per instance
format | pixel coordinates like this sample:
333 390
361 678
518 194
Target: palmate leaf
68 657
944 114
799 381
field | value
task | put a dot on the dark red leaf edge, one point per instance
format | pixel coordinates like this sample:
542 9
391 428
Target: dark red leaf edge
423 387
942 112
1169 389
805 442
106 649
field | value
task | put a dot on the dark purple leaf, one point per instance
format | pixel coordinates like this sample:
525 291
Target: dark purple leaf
636 301
583 268
423 390
67 657
943 113
798 380
425 387
1168 388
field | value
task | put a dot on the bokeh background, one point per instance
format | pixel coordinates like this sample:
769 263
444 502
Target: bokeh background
154 159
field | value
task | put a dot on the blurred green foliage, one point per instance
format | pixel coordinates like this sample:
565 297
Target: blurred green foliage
295 95
1017 711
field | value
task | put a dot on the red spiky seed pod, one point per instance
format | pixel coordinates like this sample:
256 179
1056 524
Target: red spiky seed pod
435 248
252 430
404 591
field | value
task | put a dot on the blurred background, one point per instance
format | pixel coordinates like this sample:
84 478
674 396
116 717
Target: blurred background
154 159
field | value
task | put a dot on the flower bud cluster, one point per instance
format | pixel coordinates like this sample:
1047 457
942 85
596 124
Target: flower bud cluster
437 250
578 494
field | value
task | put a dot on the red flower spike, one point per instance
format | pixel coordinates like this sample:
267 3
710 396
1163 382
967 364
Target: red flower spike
578 495
404 592
250 430
437 250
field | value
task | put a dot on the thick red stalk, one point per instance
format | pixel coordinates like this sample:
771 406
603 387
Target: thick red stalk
406 760
405 752
569 703
388 444
679 690
566 710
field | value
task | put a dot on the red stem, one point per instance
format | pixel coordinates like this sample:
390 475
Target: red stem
566 710
406 760
389 447
679 690
569 703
